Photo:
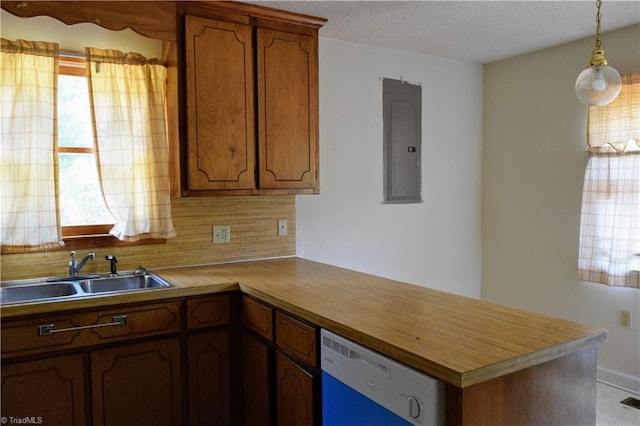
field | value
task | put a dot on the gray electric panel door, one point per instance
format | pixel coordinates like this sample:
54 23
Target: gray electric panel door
402 114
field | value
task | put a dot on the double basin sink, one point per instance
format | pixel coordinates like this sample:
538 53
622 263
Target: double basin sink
65 288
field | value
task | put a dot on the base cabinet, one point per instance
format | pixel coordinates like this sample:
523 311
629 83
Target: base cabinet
137 384
257 399
280 368
294 389
48 391
153 369
208 378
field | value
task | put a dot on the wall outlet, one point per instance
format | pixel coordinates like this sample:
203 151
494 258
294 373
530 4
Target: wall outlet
282 227
625 319
221 233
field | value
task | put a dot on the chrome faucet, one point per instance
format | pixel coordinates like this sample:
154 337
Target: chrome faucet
74 267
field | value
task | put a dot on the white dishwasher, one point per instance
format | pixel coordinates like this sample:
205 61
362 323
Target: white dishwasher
361 387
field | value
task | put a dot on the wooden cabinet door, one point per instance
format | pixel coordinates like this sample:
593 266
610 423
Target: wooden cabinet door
294 389
287 81
51 391
137 384
220 105
209 392
257 400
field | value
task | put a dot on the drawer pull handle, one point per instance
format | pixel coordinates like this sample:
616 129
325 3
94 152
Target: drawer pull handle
47 329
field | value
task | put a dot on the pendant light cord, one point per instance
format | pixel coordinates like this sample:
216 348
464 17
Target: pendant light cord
598 32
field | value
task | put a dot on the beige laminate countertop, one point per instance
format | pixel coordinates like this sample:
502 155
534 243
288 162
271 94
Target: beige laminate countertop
460 340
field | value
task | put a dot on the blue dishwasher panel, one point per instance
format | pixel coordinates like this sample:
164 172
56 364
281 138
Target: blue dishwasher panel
344 406
361 387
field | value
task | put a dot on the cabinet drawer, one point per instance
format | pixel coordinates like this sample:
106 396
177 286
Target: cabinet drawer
142 321
258 317
73 330
296 338
207 312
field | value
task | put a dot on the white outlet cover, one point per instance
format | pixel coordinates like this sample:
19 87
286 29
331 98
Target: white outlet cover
221 233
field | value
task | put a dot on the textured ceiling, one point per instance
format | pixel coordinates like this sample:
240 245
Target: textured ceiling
478 31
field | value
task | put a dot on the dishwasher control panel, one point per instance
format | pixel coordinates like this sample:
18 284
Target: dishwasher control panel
413 396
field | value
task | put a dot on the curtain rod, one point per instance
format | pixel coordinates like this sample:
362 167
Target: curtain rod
72 54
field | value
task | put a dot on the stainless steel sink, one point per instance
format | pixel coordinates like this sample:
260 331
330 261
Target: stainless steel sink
124 283
41 290
37 291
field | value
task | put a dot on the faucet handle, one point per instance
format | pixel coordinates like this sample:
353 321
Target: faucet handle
140 271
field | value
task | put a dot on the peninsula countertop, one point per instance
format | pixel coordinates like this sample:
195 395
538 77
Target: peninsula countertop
460 340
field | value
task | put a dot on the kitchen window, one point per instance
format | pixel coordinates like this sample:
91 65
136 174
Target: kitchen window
609 251
107 176
82 207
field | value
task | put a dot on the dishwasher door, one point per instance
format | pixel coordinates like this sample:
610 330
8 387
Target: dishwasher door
361 387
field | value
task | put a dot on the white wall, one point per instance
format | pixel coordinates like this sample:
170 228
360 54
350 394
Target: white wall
534 161
436 243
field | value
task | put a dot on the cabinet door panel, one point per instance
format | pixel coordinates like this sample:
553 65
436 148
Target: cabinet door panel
256 398
208 312
220 105
137 384
287 109
51 390
294 388
208 378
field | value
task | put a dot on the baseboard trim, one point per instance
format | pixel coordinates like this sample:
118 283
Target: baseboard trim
623 381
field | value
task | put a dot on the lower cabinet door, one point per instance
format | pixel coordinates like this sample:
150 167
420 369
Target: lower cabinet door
137 384
48 391
257 397
294 389
208 380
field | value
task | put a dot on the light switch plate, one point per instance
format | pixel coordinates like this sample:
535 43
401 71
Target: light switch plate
282 227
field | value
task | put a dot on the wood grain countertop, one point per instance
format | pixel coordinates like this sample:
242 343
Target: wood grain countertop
460 340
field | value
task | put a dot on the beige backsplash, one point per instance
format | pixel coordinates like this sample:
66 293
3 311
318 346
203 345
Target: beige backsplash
254 235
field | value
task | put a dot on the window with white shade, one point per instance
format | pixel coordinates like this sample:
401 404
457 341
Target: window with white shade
609 251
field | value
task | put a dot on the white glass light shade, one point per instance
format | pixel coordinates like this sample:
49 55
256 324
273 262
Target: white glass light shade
598 85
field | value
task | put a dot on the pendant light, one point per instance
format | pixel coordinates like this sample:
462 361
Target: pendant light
599 84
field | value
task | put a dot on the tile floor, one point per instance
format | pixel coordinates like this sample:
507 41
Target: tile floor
609 410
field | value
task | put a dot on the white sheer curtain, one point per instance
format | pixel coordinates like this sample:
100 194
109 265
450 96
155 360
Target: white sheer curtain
127 94
609 250
29 209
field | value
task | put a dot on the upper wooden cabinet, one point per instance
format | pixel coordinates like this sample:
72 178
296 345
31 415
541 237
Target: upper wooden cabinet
243 111
252 106
220 105
287 110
